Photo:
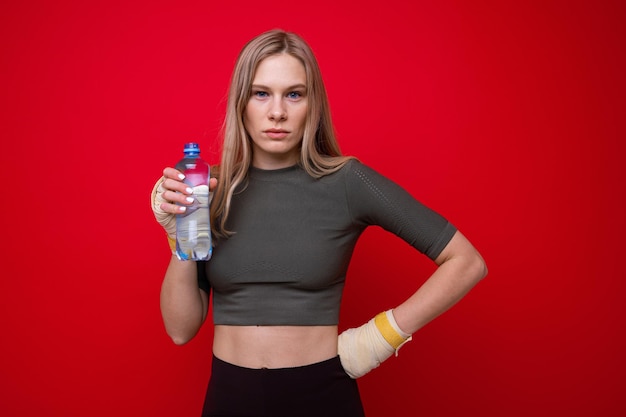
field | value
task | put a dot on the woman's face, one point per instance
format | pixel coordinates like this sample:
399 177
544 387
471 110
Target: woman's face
276 112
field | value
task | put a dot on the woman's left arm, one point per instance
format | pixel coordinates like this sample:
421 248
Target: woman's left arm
364 348
460 267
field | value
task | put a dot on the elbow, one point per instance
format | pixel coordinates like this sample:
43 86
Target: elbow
180 328
179 341
484 270
180 337
472 267
479 267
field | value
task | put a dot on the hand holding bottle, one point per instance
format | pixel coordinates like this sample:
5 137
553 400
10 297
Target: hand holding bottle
171 196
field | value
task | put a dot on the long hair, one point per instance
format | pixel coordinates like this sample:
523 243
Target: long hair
319 152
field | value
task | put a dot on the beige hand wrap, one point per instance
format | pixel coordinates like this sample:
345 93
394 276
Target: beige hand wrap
167 220
364 348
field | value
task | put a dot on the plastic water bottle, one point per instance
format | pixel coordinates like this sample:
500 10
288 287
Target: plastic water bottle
193 231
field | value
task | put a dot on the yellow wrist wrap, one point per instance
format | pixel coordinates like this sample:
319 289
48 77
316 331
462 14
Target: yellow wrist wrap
172 242
386 329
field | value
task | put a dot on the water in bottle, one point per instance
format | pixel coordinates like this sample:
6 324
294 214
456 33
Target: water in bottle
193 232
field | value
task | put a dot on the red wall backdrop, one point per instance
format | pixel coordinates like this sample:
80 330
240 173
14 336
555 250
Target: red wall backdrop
507 117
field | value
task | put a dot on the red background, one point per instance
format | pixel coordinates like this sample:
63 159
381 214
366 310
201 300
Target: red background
507 117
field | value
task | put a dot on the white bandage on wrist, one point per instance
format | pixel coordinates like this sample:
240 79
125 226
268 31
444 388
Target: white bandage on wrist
167 220
364 348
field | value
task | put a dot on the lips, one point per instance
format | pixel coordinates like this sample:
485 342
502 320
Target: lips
276 133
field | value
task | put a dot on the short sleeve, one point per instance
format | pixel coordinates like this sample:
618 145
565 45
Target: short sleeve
375 200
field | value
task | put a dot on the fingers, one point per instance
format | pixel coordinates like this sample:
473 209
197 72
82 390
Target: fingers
212 184
176 202
173 173
177 195
177 184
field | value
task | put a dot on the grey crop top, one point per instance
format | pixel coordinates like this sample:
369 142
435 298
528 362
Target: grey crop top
294 236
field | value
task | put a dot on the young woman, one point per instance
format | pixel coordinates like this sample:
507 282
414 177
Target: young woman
286 213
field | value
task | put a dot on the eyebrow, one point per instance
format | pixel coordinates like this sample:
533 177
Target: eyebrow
293 87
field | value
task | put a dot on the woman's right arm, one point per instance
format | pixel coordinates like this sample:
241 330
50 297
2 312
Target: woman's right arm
183 304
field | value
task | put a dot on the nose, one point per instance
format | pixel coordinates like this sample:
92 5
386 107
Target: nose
277 110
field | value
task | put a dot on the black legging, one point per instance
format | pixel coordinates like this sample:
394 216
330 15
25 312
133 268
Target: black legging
319 390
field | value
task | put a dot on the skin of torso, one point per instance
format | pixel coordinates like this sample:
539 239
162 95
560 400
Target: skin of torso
274 347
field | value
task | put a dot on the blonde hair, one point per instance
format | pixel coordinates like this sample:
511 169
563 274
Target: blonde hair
319 154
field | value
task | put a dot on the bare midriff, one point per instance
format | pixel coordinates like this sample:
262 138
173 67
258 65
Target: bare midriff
274 347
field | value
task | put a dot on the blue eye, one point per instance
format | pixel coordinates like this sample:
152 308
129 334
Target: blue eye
294 95
260 94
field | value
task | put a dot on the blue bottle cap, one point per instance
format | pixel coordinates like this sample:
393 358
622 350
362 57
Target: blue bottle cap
191 148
